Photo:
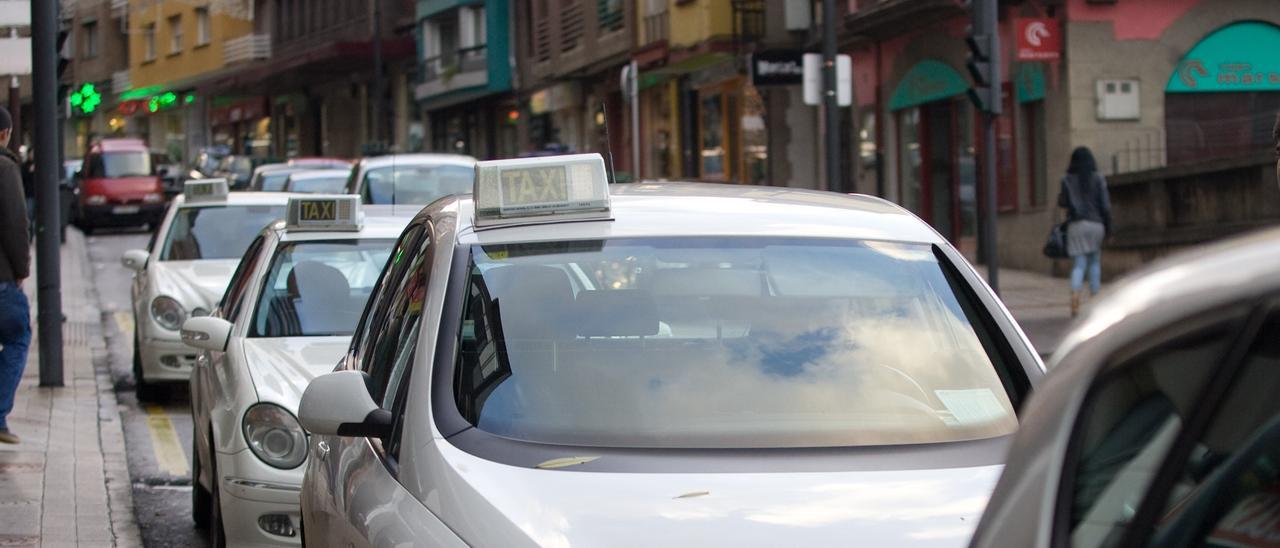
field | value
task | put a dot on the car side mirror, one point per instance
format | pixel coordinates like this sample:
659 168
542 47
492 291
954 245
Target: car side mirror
339 404
135 259
206 333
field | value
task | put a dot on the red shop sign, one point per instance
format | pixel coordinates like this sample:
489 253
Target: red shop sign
1039 39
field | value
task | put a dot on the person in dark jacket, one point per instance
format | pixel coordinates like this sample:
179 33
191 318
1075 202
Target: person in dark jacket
1084 196
15 266
29 189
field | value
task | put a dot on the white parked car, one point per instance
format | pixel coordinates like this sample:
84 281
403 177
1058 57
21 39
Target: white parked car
552 361
286 317
411 179
185 270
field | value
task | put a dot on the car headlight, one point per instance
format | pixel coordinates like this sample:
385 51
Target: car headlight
95 199
275 436
168 313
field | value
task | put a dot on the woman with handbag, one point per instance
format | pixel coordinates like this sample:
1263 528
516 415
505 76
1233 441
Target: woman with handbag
1084 196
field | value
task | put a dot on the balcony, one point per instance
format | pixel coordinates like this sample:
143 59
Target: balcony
460 69
886 18
120 82
250 47
119 8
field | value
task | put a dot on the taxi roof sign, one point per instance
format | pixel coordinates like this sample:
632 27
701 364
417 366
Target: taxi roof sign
328 212
205 190
552 188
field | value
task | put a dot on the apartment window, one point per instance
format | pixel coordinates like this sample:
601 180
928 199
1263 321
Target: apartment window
175 34
610 14
90 31
202 25
149 42
471 26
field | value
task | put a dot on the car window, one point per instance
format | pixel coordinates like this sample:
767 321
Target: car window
125 164
216 232
318 288
1227 492
1130 420
273 181
416 184
395 342
376 315
317 185
738 342
230 303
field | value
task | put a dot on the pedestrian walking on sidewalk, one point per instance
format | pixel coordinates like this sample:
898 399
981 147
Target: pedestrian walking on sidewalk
15 264
1084 196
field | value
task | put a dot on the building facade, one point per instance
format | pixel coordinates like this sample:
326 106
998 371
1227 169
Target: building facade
97 47
465 68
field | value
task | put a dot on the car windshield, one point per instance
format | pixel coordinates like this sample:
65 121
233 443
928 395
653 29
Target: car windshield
126 164
274 180
416 184
724 343
318 288
216 232
319 185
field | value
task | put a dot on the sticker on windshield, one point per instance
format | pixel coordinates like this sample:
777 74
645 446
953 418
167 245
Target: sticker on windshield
973 406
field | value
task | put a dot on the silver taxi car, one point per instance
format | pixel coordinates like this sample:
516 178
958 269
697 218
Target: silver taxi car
184 271
286 317
552 361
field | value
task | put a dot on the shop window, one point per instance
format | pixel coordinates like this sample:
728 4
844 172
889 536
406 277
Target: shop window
711 136
755 138
1033 136
867 150
1206 126
909 152
1006 157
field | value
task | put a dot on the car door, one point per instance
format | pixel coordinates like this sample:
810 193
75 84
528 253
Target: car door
1175 442
345 462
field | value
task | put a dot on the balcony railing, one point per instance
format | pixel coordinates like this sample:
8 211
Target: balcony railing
120 82
448 65
246 48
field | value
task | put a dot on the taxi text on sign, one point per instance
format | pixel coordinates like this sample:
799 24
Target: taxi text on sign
318 210
1039 39
534 185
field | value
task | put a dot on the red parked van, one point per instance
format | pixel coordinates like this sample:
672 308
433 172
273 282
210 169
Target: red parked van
119 186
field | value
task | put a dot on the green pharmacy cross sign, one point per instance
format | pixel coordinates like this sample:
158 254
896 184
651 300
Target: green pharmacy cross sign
86 99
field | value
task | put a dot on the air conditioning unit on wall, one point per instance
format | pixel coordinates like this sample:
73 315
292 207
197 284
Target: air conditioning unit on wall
1118 100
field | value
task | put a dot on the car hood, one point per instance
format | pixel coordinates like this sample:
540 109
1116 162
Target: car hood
502 505
196 284
282 367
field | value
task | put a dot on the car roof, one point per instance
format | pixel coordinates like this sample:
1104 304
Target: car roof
240 198
374 225
417 159
318 174
317 160
706 209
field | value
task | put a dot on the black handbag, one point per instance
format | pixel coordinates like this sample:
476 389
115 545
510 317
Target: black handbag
1055 247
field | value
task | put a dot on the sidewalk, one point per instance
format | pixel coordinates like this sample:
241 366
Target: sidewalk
1040 303
67 483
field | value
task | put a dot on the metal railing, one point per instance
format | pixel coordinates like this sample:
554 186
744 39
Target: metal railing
459 61
249 47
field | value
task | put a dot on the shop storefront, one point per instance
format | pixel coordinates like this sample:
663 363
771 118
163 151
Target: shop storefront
242 124
730 141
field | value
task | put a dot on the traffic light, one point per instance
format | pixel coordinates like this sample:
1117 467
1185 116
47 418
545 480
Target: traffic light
64 61
985 92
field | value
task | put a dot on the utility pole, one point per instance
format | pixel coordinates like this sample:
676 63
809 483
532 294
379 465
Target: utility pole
15 110
375 97
830 104
984 66
44 66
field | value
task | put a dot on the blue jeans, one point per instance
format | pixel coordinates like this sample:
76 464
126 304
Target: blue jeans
1091 262
15 338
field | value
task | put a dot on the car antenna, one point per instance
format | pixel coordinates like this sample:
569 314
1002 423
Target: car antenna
608 143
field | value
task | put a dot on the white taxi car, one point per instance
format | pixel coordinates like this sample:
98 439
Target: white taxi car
185 270
286 317
552 361
411 179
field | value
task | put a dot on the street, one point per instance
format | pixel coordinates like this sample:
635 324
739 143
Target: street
157 436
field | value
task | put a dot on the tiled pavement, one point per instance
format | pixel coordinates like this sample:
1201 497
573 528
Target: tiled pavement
67 483
1040 303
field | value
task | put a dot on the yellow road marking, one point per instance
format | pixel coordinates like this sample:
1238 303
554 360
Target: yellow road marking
124 320
164 440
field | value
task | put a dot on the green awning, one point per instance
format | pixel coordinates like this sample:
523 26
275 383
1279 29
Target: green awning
928 81
1241 56
692 64
1029 82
